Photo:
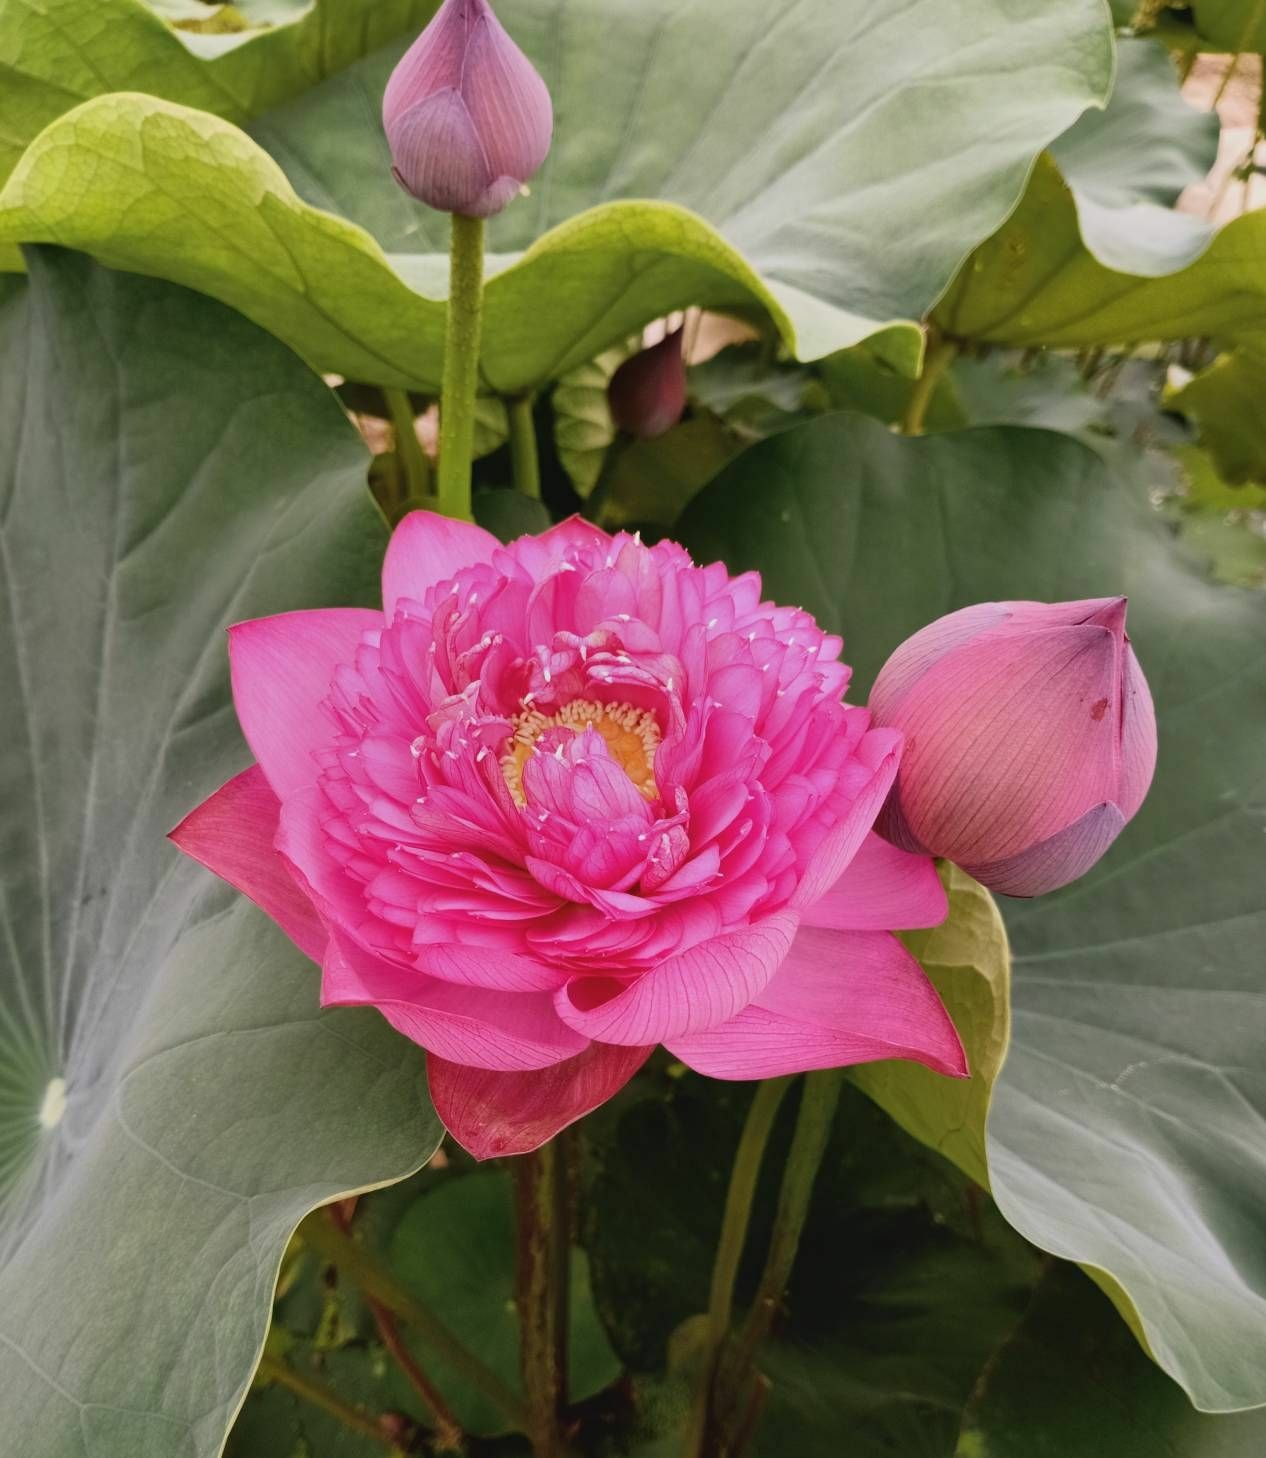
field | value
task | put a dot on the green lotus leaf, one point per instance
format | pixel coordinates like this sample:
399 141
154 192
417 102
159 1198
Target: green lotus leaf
1035 282
1124 1128
969 963
172 1099
771 186
1229 25
1069 1383
1128 164
1225 402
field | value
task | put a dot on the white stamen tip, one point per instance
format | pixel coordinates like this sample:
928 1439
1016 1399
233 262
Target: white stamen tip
54 1105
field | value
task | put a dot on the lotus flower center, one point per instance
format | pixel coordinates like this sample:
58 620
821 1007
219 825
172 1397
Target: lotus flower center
632 736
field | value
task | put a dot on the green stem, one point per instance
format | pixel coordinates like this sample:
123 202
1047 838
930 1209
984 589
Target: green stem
375 1281
940 355
544 1255
523 452
732 1393
461 365
409 452
273 1369
738 1213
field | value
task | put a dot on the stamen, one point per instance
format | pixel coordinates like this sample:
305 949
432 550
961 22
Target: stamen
631 735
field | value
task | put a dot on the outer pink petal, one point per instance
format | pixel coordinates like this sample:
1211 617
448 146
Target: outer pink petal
883 889
491 1114
1138 740
839 998
472 1025
1010 739
426 549
282 668
695 989
1056 861
232 834
924 649
928 646
880 751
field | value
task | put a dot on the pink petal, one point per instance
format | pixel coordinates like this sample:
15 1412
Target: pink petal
695 989
488 967
509 102
301 843
492 1114
478 1026
1056 861
1138 740
426 549
879 751
232 834
883 889
570 539
839 998
575 534
1009 740
282 668
927 647
438 158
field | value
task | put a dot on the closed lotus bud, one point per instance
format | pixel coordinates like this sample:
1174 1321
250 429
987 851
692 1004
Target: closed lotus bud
1030 739
647 393
467 117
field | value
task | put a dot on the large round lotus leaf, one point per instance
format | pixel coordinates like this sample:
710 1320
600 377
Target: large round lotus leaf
1225 402
1125 1127
1069 1383
1035 282
1128 164
773 181
172 1100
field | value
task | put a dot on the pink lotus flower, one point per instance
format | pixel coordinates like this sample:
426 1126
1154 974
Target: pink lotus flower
647 393
564 800
467 117
1030 739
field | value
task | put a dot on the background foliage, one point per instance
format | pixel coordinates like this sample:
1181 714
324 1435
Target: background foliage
960 241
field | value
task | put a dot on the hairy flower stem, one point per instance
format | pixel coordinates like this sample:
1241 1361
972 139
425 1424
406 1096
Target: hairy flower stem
373 1280
523 452
448 1431
544 1255
461 366
941 353
410 456
736 1374
734 1223
273 1369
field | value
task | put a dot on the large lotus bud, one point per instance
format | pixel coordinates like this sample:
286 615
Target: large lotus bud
467 117
1030 739
647 393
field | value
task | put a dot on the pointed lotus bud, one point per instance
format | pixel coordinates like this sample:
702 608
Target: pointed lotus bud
647 393
1030 739
467 117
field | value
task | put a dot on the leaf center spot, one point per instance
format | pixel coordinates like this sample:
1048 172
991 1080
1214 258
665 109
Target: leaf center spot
54 1105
